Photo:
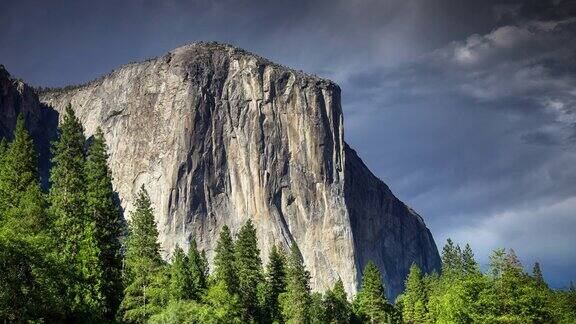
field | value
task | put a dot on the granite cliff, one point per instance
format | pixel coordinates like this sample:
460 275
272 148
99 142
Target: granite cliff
218 135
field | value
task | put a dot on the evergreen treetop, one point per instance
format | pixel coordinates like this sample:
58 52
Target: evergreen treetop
296 301
337 305
371 299
74 231
451 258
469 264
537 275
144 277
180 283
101 209
196 267
414 297
224 261
249 269
21 197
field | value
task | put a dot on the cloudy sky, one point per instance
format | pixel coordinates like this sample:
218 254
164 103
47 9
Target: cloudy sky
467 109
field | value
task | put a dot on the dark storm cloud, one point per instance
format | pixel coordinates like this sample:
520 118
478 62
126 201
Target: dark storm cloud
467 109
479 134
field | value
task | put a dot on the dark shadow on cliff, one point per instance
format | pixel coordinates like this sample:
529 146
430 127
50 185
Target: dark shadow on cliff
385 230
44 133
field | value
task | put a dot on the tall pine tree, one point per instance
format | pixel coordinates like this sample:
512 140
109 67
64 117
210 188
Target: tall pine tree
296 301
275 282
538 277
249 269
103 211
469 264
180 283
75 232
143 263
224 261
30 277
22 202
414 297
196 270
337 305
371 302
451 259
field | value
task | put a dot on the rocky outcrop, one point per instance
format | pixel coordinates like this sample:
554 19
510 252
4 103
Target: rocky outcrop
385 230
218 135
16 97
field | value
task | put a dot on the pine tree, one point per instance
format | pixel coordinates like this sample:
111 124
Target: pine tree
196 270
143 263
30 277
371 301
75 232
414 299
497 262
318 312
538 277
337 305
275 282
180 283
296 301
22 202
224 261
469 264
451 259
102 210
249 269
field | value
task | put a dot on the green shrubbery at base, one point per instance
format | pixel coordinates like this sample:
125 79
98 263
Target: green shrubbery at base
463 294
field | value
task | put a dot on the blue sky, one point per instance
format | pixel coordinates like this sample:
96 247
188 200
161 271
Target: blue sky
466 109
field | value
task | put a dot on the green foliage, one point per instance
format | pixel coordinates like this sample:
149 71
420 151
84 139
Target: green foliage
249 269
3 147
371 303
197 267
538 277
180 283
217 306
187 274
506 294
102 210
451 259
338 309
22 202
60 261
224 261
143 273
74 230
469 264
414 297
31 278
275 283
318 311
296 301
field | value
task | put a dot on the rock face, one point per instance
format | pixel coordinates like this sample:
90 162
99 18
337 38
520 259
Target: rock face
218 136
16 97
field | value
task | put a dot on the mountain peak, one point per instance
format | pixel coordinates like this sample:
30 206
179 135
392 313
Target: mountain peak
218 135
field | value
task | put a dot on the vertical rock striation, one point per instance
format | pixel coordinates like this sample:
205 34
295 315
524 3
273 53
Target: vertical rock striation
219 135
